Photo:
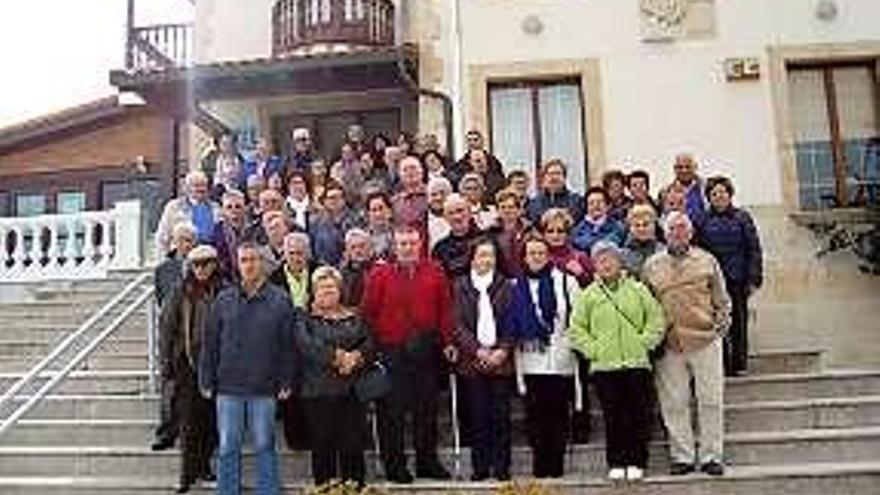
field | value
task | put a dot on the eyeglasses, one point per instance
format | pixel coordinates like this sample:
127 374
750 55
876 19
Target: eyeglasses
202 263
555 231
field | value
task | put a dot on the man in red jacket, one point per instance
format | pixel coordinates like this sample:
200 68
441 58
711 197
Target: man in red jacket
407 303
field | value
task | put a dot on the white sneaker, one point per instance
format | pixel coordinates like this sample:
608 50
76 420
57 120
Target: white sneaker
634 473
617 474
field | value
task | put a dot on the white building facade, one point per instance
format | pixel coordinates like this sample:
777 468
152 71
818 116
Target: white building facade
781 95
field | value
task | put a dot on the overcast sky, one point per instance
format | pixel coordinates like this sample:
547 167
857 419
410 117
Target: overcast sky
57 53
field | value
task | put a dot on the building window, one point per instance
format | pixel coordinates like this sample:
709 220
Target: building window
70 202
5 208
30 204
835 116
532 122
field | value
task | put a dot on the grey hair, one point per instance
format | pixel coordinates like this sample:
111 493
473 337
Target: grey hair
439 183
194 175
454 198
183 228
301 239
675 217
327 272
356 232
472 176
232 194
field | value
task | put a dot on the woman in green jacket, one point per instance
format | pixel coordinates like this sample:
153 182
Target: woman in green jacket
615 323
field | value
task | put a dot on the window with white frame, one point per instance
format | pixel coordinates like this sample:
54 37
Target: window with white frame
30 204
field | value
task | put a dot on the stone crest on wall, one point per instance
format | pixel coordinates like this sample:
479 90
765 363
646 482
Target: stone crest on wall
670 20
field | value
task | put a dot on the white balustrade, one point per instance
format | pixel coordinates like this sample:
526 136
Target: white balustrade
71 246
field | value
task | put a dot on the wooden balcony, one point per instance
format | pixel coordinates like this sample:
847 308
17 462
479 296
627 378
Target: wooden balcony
162 46
299 25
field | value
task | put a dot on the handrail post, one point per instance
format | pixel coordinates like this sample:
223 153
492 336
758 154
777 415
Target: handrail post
151 346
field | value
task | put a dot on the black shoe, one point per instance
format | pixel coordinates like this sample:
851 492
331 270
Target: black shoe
681 469
479 476
433 471
208 477
713 468
502 477
162 444
183 487
400 476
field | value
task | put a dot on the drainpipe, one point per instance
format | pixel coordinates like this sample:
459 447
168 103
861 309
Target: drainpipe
457 73
445 100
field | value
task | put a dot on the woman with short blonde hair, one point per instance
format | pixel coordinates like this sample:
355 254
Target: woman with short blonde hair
335 345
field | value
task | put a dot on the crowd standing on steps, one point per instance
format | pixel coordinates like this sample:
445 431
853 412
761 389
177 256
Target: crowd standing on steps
339 292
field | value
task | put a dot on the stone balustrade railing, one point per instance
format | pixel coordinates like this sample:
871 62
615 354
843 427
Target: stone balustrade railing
71 246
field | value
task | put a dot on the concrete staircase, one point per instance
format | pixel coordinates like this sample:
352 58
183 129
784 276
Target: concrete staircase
793 426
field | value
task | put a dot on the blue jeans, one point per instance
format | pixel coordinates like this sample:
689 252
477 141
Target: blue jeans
232 411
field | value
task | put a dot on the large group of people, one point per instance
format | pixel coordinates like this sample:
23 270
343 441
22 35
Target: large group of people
308 289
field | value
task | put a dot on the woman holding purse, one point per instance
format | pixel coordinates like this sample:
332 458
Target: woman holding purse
335 349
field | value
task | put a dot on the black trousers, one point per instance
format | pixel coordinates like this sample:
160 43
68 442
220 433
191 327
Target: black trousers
166 430
414 392
625 397
198 427
548 418
580 420
294 424
487 403
736 347
337 426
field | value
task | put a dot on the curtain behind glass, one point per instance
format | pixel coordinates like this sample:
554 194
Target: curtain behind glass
562 133
513 139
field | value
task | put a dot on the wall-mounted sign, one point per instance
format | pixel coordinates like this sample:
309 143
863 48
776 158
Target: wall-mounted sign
742 69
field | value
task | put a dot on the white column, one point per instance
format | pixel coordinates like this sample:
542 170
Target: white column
128 235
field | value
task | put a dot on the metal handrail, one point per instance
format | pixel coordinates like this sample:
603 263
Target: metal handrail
42 366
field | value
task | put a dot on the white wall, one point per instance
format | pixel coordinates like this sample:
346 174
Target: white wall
233 30
658 98
661 98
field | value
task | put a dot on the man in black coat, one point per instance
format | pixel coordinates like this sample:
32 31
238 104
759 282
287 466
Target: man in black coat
167 276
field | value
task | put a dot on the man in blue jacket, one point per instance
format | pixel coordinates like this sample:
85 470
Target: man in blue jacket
247 361
554 194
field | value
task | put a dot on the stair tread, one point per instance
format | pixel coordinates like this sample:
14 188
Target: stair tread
809 470
812 434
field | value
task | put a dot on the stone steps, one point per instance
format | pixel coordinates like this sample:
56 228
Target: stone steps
794 386
757 448
48 334
129 361
775 361
125 343
136 415
809 479
829 384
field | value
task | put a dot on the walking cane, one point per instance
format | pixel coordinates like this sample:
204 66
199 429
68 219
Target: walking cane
456 434
374 430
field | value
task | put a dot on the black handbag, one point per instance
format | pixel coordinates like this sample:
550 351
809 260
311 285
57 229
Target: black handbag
373 383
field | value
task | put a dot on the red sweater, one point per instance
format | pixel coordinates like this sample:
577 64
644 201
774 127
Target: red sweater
397 305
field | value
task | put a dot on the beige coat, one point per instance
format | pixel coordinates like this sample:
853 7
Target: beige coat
692 291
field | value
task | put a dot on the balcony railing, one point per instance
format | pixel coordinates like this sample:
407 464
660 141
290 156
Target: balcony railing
298 24
71 246
162 46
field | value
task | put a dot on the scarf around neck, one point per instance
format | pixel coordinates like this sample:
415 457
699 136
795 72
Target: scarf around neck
487 329
530 322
